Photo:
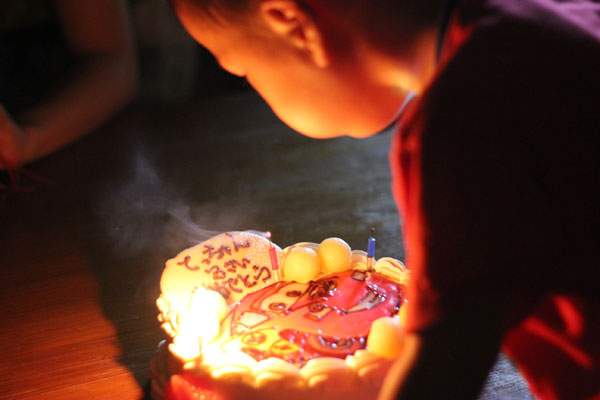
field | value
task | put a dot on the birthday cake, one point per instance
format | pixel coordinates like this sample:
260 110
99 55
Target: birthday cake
248 320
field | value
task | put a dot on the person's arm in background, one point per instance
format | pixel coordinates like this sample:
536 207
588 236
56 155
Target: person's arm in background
103 81
450 360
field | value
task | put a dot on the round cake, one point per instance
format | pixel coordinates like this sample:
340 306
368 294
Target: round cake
247 320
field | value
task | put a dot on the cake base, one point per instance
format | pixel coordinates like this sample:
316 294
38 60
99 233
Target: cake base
164 366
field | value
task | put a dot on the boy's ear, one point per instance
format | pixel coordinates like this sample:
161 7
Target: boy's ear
289 20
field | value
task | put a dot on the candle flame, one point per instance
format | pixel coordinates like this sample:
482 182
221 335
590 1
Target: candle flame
199 325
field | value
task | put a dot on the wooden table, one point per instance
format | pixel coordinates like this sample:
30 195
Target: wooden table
80 260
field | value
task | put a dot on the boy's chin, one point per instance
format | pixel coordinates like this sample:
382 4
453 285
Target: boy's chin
330 134
314 133
329 129
371 127
363 135
321 135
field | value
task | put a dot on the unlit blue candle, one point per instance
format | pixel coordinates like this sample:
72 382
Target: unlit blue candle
371 248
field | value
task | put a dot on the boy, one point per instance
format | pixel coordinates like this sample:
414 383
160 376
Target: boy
495 164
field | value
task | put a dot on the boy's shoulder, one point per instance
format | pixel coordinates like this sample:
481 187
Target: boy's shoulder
512 52
569 17
517 23
511 116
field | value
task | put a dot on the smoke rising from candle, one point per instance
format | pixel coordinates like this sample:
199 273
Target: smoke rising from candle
148 211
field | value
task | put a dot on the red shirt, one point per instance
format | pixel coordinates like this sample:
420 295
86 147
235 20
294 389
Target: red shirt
497 173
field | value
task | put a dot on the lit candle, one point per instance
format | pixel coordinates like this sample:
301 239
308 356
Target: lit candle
371 251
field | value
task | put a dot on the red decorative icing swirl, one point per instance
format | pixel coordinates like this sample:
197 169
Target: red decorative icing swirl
332 317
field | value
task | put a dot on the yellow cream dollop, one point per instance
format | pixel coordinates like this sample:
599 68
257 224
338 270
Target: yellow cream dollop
301 265
335 255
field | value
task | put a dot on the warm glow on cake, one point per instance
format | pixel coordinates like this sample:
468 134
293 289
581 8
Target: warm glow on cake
200 324
326 320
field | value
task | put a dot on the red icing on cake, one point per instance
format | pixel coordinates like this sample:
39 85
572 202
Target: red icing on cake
330 317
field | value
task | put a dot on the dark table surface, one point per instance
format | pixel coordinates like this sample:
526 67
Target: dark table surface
80 260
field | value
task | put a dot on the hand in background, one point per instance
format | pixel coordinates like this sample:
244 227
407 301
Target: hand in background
103 80
12 142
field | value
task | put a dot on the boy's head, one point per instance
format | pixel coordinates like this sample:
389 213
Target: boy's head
324 67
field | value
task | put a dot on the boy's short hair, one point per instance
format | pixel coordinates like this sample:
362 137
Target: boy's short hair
215 9
370 20
361 15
